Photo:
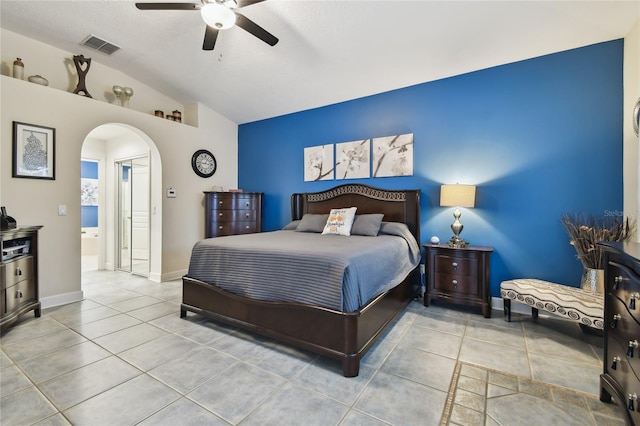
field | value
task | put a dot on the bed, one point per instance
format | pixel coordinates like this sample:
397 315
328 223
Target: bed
339 332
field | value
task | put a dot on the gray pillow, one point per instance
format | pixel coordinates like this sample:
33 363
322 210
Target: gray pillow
367 224
312 222
291 226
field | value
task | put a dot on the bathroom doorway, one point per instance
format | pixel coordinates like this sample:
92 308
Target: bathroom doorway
129 233
133 219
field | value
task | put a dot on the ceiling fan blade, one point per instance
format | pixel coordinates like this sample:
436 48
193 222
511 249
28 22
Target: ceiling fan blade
168 6
255 29
243 3
210 36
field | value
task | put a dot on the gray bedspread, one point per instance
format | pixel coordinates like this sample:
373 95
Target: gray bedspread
331 271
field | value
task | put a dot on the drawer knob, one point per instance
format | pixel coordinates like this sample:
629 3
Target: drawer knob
614 321
632 344
618 280
455 265
632 397
19 294
247 215
455 283
18 271
246 227
220 227
616 360
220 203
634 297
247 204
220 214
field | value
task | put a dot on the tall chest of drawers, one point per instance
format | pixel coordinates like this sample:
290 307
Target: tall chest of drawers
18 274
232 213
622 329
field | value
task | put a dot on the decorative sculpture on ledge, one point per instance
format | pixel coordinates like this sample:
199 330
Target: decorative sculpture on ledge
79 61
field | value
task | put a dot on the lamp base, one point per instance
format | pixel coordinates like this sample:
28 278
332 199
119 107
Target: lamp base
457 242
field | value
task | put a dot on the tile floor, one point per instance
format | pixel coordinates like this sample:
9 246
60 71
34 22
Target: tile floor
123 356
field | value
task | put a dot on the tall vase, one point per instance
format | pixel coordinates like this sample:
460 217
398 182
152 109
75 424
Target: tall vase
593 280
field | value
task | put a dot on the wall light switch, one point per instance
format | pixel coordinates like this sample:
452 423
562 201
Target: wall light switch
171 193
62 209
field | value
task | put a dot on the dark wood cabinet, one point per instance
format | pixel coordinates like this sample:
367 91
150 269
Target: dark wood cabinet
622 329
19 274
232 213
458 275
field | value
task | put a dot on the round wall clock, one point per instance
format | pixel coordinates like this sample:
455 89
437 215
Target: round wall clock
203 163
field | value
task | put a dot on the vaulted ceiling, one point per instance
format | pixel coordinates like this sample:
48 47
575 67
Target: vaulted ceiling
328 51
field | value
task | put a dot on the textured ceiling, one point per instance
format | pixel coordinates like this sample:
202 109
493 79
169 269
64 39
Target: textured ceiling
329 51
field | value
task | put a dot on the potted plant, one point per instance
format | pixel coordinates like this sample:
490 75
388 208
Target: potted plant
585 231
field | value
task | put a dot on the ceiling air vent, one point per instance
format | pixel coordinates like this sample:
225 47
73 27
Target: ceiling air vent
97 43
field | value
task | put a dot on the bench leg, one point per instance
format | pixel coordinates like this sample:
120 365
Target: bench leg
507 309
534 313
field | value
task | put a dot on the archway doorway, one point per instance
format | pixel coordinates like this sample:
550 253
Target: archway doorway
110 146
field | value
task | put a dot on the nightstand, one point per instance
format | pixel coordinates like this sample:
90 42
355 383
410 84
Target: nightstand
458 275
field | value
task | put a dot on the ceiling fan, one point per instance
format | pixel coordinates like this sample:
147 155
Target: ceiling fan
218 15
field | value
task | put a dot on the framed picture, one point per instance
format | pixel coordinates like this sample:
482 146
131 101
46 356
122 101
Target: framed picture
352 159
318 163
34 151
393 156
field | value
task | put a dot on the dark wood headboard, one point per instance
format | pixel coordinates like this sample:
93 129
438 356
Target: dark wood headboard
397 205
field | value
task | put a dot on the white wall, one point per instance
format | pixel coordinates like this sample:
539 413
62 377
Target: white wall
57 66
631 151
35 202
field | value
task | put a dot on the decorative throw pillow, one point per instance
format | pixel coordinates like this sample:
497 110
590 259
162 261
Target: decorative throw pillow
367 224
291 226
312 222
340 221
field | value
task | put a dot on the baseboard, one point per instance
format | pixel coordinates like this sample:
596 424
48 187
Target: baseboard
61 299
172 276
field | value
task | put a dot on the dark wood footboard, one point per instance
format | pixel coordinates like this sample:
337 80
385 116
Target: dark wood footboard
339 335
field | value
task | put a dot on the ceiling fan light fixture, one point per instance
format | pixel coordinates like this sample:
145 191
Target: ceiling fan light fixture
218 16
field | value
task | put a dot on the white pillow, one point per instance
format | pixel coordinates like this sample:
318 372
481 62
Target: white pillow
340 221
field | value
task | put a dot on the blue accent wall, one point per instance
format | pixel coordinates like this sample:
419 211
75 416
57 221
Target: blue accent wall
539 138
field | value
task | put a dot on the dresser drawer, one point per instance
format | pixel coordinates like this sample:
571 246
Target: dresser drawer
19 294
234 215
234 203
233 228
455 265
18 270
456 283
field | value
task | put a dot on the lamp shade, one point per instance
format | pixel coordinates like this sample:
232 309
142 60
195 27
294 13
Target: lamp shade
458 195
218 16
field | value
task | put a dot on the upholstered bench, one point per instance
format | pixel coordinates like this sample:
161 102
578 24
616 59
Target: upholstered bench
583 306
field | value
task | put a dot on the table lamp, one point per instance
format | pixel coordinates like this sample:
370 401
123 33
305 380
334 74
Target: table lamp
457 196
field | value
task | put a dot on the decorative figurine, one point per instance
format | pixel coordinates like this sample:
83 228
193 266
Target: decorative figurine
79 61
18 69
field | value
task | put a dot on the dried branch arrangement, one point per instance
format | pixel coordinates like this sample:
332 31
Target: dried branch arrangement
586 231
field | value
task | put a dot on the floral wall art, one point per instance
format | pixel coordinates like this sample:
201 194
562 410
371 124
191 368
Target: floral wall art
88 192
393 156
318 163
353 159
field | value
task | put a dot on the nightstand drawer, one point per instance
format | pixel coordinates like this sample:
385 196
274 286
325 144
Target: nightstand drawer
456 283
455 265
